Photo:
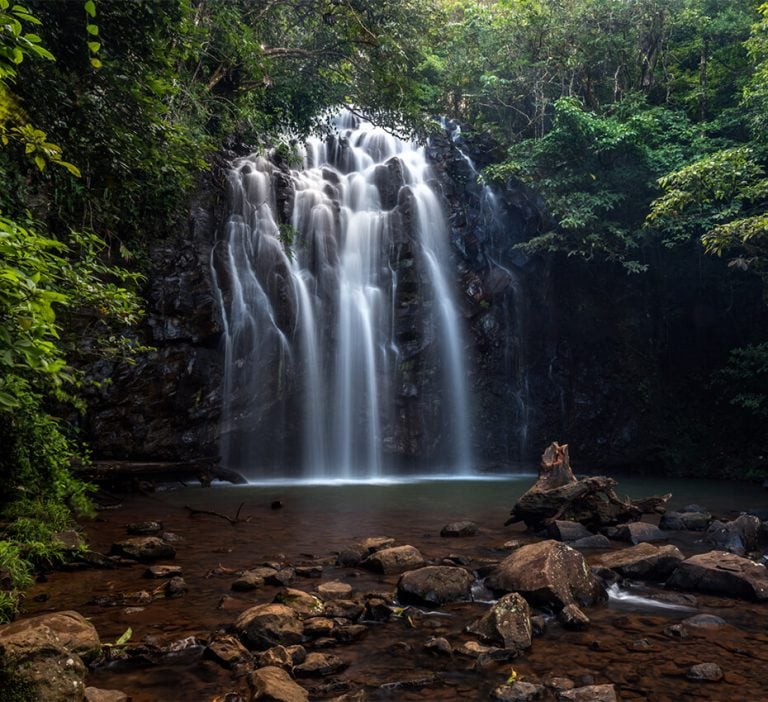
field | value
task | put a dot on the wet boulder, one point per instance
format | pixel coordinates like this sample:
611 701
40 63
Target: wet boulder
637 533
722 573
305 604
548 574
143 548
319 665
463 528
643 561
571 617
334 590
37 659
564 530
267 625
705 672
396 559
435 585
508 622
70 629
227 651
273 684
95 694
685 521
519 691
738 536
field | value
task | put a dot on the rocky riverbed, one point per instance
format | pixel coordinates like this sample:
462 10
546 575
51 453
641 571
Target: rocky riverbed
285 599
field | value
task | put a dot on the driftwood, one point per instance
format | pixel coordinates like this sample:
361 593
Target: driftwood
558 494
204 470
236 520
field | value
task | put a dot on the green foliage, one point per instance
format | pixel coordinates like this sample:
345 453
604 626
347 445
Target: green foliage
743 381
598 174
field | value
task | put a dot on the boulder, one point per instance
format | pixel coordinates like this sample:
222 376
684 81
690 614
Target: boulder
303 603
435 585
594 541
396 559
464 528
272 684
685 521
334 590
319 665
548 574
439 645
638 532
643 561
267 625
37 660
738 536
144 549
69 629
508 622
563 530
150 528
722 573
589 693
249 580
227 651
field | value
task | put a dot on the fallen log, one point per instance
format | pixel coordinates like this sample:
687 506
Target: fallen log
204 470
558 494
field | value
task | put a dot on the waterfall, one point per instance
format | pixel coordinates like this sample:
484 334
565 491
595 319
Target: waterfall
343 345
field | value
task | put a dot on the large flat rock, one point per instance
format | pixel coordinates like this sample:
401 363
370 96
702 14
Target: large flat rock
722 573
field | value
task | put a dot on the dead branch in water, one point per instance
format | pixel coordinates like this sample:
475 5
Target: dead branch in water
236 520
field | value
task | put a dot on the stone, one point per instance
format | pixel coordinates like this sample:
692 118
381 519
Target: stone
143 548
643 561
507 622
309 571
738 536
473 649
227 651
162 571
272 684
705 672
439 645
69 629
463 528
348 609
571 617
150 528
595 541
589 693
319 626
518 692
722 573
377 543
334 590
69 540
396 559
377 610
267 625
305 604
563 530
248 581
319 665
94 694
350 633
685 521
435 585
176 587
548 574
36 657
639 532
278 656
705 621
352 555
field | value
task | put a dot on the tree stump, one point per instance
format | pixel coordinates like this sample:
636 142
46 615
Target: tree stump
592 501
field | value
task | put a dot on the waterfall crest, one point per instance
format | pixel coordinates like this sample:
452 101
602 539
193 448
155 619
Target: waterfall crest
336 290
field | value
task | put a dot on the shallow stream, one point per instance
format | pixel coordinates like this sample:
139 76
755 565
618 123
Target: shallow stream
625 644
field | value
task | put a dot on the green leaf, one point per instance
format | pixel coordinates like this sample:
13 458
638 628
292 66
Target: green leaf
71 167
94 47
92 29
125 637
40 161
96 63
90 8
7 401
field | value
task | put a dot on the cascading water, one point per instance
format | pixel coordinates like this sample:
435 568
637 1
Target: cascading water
321 338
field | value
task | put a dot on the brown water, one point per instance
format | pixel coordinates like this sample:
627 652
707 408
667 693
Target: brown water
625 643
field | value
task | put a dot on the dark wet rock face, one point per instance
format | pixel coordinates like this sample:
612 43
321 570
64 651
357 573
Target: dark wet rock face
268 625
508 623
145 549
